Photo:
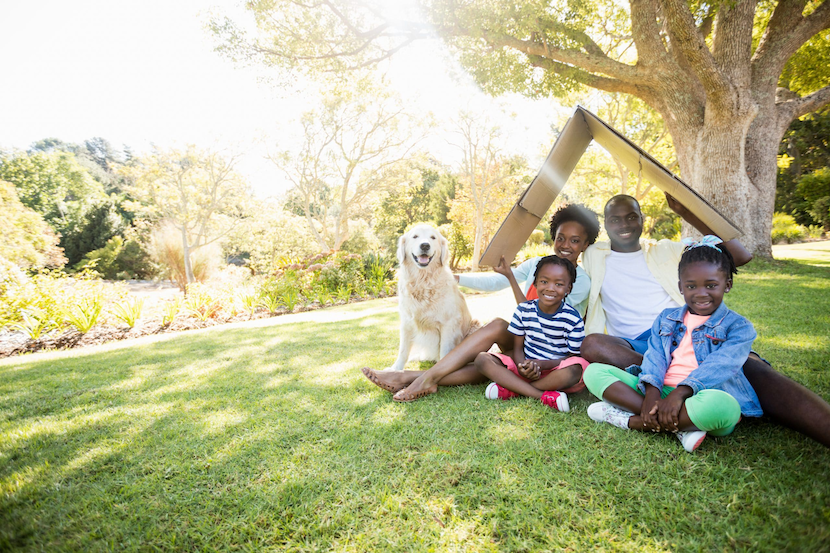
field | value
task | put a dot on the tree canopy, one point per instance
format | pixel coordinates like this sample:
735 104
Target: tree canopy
727 78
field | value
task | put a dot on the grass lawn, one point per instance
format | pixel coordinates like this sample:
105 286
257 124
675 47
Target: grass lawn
269 438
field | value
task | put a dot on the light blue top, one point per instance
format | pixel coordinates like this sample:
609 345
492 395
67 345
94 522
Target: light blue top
491 282
721 344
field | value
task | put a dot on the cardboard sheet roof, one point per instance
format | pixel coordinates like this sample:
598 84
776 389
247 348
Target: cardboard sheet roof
579 131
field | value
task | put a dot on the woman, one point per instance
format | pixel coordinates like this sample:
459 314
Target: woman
573 228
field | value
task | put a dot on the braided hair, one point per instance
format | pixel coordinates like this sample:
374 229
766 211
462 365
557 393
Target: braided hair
715 254
577 213
556 260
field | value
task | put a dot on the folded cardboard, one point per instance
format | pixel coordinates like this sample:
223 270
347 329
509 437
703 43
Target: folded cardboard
579 131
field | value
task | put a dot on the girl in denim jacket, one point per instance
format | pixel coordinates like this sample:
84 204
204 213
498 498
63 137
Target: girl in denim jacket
690 382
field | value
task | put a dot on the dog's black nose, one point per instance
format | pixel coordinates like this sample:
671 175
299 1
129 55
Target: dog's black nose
425 247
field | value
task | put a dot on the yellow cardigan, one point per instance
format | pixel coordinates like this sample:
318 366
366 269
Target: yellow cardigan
661 258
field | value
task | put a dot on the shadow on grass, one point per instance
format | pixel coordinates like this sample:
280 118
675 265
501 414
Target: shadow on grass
271 438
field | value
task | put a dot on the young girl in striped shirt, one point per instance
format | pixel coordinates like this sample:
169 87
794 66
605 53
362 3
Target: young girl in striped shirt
548 333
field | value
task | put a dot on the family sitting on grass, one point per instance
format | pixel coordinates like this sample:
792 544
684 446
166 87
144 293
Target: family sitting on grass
658 346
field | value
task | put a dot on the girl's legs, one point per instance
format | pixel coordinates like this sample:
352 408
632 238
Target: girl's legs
619 388
455 368
560 379
492 368
713 411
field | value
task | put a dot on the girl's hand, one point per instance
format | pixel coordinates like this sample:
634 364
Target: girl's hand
530 369
650 409
503 268
670 406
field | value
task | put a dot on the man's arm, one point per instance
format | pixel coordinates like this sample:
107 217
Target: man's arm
738 251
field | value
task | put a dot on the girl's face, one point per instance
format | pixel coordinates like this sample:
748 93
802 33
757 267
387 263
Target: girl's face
552 283
570 241
703 285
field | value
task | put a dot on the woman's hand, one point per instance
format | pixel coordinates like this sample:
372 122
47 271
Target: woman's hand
530 369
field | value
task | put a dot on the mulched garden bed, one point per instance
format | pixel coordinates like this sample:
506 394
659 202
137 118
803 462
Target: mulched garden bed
16 343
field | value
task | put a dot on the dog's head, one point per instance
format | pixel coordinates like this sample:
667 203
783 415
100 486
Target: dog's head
422 245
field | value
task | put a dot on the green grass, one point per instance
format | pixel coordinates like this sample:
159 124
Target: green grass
269 438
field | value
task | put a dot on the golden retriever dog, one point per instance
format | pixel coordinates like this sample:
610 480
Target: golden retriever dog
434 315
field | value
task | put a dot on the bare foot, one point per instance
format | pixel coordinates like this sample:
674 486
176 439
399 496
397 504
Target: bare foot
414 391
389 381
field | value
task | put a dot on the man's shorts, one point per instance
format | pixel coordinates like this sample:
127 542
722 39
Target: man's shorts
640 343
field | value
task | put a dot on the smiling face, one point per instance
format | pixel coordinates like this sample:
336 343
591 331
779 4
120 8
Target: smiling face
552 283
421 245
570 240
624 225
703 285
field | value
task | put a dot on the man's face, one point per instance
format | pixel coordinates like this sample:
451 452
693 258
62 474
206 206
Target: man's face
624 225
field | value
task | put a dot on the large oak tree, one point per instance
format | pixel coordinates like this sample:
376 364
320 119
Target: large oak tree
728 77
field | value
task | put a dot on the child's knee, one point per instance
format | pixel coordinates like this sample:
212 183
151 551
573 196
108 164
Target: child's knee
572 375
594 378
714 411
483 362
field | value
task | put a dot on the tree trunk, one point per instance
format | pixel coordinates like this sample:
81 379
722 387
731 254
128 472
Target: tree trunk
478 239
188 268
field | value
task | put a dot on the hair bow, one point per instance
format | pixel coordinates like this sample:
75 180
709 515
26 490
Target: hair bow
708 240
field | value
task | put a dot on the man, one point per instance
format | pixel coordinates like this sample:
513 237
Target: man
633 280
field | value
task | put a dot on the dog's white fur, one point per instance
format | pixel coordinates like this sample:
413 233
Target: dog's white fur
434 315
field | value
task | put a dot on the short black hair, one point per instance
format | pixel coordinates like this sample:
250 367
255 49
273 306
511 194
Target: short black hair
576 213
719 256
556 260
618 198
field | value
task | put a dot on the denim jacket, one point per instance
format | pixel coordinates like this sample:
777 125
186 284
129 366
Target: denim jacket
721 345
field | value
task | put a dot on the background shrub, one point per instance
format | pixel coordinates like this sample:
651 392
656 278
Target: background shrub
785 229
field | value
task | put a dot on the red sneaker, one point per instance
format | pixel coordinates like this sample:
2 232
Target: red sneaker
494 391
556 400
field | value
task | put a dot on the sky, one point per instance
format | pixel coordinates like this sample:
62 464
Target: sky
145 73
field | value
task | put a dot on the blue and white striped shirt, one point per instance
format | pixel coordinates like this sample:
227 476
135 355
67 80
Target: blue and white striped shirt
548 336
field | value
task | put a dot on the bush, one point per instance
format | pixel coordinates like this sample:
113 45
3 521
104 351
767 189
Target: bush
201 302
168 251
128 311
377 271
786 230
536 237
342 270
461 247
820 211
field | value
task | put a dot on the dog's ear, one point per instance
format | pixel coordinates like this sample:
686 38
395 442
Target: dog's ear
402 249
445 250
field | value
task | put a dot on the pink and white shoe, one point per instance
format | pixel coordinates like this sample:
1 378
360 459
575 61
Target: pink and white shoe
691 439
494 391
605 412
556 400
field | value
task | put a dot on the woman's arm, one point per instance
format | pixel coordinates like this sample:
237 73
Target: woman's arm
581 288
493 282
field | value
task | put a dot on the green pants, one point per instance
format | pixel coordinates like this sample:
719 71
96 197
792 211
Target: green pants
713 411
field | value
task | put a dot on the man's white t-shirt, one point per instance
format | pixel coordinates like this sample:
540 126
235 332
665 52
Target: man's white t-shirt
631 296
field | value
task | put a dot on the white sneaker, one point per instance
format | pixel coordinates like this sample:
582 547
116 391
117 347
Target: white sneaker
605 412
691 439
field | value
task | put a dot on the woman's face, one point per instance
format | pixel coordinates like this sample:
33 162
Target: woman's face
570 241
